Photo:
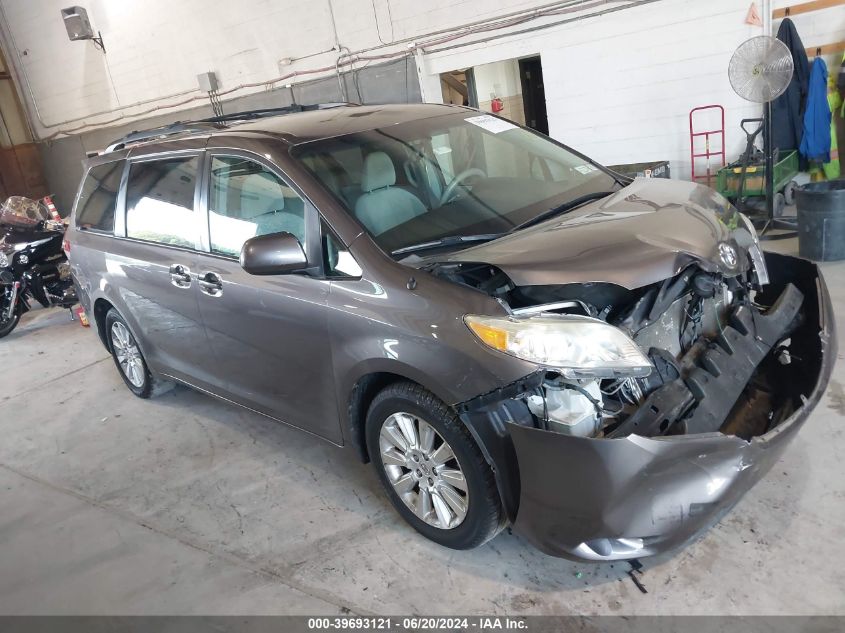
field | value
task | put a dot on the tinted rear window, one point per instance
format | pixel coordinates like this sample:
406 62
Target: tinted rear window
160 201
98 198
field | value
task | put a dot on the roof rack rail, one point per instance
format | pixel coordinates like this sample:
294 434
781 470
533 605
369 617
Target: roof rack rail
157 132
246 115
215 122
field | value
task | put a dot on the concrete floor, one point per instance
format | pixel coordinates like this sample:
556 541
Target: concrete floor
183 505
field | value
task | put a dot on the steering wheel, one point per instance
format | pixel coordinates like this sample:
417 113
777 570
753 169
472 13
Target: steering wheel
450 190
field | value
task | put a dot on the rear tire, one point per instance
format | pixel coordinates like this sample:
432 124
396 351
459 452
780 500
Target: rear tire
128 358
437 479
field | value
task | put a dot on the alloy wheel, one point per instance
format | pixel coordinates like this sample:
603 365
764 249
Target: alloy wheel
128 355
423 470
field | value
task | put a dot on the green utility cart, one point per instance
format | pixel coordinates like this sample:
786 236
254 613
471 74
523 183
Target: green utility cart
785 168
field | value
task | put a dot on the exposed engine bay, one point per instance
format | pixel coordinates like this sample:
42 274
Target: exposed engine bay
668 361
719 348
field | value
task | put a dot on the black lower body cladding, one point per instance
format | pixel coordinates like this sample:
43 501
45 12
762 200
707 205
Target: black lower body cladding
629 497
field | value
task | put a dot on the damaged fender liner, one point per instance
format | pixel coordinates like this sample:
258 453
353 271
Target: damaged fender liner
488 417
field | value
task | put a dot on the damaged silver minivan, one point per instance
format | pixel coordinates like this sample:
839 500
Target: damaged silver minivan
510 332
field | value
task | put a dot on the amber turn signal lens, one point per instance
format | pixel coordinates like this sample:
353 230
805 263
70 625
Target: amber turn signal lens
494 337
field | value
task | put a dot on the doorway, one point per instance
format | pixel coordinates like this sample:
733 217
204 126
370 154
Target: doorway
458 87
533 94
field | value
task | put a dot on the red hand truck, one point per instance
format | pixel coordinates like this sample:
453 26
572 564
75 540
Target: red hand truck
708 152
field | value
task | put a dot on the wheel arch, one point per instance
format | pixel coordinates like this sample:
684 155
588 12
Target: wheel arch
101 309
361 396
369 381
483 417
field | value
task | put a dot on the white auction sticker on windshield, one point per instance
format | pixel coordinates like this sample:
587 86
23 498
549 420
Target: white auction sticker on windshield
586 169
490 123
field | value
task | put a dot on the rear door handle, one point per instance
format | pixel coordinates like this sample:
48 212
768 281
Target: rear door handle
180 276
211 284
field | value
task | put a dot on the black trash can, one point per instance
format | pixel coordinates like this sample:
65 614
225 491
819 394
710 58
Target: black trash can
821 220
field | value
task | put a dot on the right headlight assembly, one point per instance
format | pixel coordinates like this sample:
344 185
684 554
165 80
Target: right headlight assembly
578 347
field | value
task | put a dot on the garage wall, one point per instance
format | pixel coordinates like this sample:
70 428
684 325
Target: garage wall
818 28
620 87
500 80
389 82
155 48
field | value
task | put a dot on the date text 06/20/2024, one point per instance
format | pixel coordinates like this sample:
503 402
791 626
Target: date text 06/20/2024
418 623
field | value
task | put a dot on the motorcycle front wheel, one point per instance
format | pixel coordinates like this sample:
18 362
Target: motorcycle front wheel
7 325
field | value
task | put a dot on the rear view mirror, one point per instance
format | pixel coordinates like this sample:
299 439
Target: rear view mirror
275 254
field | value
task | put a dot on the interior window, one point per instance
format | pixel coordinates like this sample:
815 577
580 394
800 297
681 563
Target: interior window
246 199
95 209
160 201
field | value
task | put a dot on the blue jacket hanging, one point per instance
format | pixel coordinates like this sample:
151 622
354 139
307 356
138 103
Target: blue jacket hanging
816 142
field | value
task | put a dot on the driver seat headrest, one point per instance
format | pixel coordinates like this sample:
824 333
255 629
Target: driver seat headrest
378 172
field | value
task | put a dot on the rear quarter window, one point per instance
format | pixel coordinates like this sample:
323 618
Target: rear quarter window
98 197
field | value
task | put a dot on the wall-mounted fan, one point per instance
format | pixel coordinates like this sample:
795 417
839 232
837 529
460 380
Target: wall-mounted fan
760 71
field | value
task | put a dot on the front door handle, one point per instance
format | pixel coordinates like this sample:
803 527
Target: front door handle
180 276
211 284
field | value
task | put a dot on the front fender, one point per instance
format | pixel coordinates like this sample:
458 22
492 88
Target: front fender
417 333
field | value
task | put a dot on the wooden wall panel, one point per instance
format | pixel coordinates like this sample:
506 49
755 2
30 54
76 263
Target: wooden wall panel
806 7
21 173
29 161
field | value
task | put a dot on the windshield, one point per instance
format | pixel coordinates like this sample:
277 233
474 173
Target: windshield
20 211
463 174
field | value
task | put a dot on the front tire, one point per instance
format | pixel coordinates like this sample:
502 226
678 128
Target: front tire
431 468
6 326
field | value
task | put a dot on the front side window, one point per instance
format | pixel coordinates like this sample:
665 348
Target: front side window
245 200
458 174
97 200
337 260
160 201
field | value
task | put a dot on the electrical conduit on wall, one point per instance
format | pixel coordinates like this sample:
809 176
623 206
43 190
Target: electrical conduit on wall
429 42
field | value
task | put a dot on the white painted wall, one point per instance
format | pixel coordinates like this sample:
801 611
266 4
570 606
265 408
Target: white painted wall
499 79
155 48
817 28
620 87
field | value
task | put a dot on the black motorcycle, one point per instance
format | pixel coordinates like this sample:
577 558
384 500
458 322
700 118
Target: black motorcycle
32 262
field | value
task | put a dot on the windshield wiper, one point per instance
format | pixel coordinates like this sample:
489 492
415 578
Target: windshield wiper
563 208
446 241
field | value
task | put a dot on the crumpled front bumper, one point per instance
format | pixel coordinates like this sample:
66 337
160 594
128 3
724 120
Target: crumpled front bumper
634 496
611 499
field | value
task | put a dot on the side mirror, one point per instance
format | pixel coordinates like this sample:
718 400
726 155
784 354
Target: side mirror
275 254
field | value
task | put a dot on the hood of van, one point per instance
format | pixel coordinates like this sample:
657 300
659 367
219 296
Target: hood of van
642 234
